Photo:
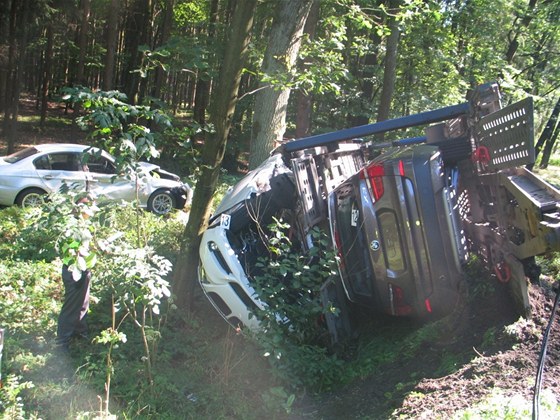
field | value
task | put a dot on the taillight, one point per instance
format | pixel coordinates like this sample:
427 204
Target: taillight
374 173
338 243
399 306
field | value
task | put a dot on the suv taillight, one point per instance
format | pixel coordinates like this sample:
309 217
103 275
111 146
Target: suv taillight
374 173
399 306
338 243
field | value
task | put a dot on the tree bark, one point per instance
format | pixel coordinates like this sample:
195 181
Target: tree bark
389 71
203 85
19 24
222 108
164 37
514 33
112 35
47 73
269 119
137 24
548 136
82 42
304 100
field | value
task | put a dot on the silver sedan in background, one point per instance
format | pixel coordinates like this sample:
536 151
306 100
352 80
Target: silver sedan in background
29 174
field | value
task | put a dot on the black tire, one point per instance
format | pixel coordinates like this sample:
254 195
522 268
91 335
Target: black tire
161 202
31 197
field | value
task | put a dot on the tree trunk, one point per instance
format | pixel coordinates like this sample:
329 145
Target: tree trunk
222 108
112 34
82 42
513 35
47 73
548 136
19 24
304 100
548 148
137 24
389 71
203 82
165 32
269 119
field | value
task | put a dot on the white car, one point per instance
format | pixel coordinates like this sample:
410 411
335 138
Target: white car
29 174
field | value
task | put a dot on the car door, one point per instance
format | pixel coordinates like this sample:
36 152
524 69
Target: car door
103 180
60 168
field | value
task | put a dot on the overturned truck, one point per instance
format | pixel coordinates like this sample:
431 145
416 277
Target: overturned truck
403 215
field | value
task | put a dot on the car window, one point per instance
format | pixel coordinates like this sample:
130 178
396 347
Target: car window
100 164
392 242
59 162
22 154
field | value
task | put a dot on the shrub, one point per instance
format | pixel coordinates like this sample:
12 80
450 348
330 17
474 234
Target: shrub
294 335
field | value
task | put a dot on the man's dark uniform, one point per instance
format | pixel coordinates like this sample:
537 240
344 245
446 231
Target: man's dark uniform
72 318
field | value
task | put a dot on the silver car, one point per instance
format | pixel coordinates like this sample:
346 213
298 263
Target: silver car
29 174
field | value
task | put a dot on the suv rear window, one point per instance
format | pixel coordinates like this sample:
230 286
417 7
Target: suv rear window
392 243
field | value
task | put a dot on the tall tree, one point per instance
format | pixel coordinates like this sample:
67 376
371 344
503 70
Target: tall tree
269 118
165 32
390 67
548 137
304 99
203 82
20 13
47 71
520 25
85 7
222 107
138 23
112 31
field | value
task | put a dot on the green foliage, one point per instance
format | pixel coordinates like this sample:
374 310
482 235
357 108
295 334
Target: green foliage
11 406
117 126
289 285
29 294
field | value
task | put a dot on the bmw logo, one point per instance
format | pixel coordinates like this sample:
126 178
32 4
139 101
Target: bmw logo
374 245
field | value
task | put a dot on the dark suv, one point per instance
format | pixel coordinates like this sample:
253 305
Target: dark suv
395 226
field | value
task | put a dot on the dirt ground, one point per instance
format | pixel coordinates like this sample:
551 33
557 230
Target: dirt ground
487 347
485 357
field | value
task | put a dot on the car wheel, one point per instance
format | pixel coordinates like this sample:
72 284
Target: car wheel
161 202
32 197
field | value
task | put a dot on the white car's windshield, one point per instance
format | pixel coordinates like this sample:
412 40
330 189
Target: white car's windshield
22 154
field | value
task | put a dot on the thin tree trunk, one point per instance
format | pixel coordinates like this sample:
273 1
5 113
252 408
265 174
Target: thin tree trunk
112 33
165 32
514 33
47 74
222 108
202 89
82 42
17 50
269 119
389 71
546 138
548 148
304 100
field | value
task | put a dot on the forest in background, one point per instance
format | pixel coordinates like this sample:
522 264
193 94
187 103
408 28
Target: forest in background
355 61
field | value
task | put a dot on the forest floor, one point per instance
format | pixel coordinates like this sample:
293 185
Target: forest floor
485 352
490 359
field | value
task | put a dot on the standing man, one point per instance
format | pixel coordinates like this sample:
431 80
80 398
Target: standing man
72 317
76 253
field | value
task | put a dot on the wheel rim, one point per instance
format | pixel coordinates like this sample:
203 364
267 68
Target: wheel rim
162 203
32 200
